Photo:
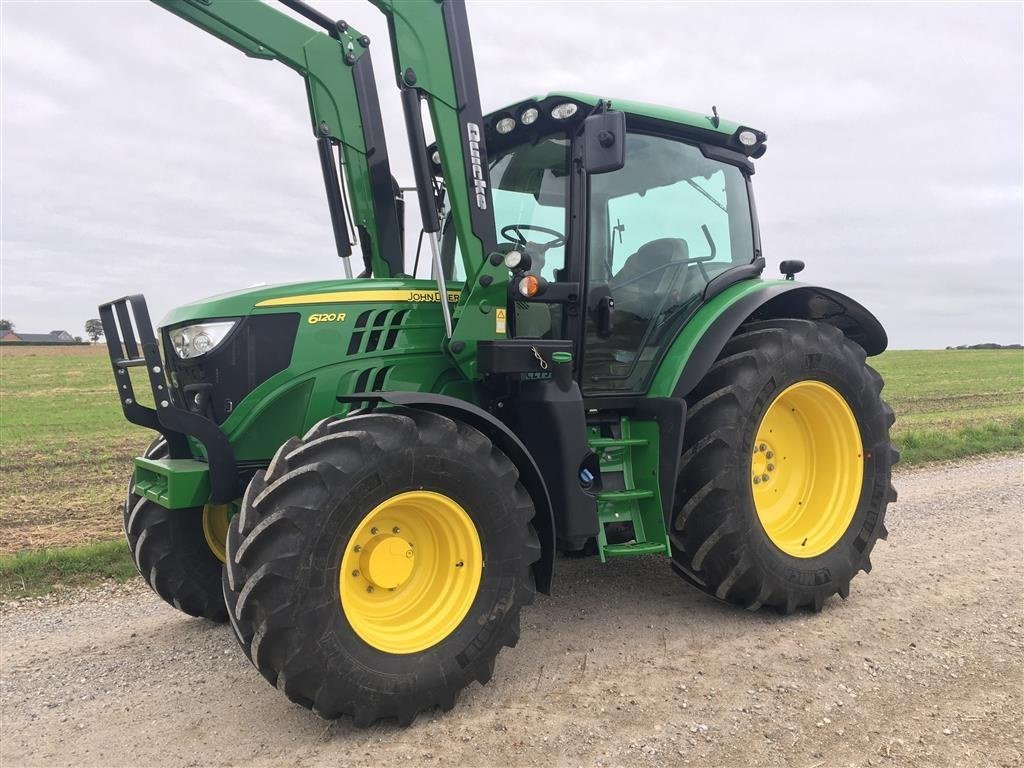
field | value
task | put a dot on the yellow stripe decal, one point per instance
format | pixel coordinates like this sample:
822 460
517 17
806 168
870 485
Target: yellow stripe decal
360 297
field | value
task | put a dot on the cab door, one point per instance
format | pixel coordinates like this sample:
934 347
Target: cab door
660 228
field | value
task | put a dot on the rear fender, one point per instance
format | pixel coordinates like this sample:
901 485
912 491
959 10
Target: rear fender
504 438
782 299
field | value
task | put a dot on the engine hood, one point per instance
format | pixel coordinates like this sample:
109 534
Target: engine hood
296 296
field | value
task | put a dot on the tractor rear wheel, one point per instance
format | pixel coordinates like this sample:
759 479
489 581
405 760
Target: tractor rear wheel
786 469
380 563
176 551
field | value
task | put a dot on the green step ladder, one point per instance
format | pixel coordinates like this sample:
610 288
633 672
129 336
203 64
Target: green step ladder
635 455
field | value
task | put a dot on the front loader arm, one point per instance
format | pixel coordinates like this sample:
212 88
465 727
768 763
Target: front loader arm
432 53
343 108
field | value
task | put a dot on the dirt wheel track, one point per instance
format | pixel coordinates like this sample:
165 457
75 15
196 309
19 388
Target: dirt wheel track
922 666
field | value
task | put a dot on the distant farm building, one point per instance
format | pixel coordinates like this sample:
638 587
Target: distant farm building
53 337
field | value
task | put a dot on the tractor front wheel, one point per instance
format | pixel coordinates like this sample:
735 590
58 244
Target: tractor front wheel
786 468
179 552
380 564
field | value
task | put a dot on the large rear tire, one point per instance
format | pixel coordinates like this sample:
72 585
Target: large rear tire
380 564
786 469
172 551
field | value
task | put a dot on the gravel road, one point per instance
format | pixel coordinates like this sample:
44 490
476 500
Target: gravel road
625 665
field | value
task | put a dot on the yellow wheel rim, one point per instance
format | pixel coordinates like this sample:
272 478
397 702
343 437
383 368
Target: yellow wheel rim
215 529
807 469
410 572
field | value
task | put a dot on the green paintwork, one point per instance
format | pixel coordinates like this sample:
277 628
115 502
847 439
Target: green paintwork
635 456
672 364
260 31
244 301
173 483
420 43
321 368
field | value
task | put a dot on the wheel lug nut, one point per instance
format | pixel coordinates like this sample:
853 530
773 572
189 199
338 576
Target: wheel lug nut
369 588
762 447
757 479
769 455
765 477
357 548
771 467
374 531
396 530
355 574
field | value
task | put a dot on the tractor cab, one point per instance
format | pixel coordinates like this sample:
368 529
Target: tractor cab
649 241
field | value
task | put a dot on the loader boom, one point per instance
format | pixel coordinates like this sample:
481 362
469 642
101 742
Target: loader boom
433 60
433 55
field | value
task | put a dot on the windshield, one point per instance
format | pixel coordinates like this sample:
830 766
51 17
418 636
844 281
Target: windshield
529 189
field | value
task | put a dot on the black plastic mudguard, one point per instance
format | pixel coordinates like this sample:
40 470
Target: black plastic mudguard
788 300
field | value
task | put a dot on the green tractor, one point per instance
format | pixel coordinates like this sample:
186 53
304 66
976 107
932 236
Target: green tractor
370 476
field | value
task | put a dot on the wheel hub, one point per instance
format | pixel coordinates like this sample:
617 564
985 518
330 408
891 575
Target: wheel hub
387 561
763 466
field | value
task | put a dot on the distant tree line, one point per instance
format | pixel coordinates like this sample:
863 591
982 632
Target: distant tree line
988 345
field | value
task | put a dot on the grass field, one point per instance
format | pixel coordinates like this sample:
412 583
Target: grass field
954 403
66 450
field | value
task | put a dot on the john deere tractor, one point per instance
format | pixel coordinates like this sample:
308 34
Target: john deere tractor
370 476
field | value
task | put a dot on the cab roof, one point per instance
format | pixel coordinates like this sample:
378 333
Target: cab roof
653 111
707 128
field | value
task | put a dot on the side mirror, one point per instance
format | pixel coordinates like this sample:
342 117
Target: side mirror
604 142
790 267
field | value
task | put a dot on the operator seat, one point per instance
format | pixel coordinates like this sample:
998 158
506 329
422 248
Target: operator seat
655 269
644 287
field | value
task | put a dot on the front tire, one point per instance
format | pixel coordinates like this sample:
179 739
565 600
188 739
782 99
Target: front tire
380 564
172 550
786 469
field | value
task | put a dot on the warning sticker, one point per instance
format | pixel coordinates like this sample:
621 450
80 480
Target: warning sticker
499 320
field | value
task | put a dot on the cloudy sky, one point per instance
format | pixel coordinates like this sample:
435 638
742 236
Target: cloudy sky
139 154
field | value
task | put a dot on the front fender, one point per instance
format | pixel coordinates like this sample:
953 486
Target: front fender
504 438
697 347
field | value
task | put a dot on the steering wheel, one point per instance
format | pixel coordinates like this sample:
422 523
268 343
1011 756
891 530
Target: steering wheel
520 239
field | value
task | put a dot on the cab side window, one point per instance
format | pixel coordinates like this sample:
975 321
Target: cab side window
660 229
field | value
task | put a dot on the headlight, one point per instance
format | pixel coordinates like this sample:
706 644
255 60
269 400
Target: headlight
748 138
564 111
513 259
195 340
505 125
529 116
